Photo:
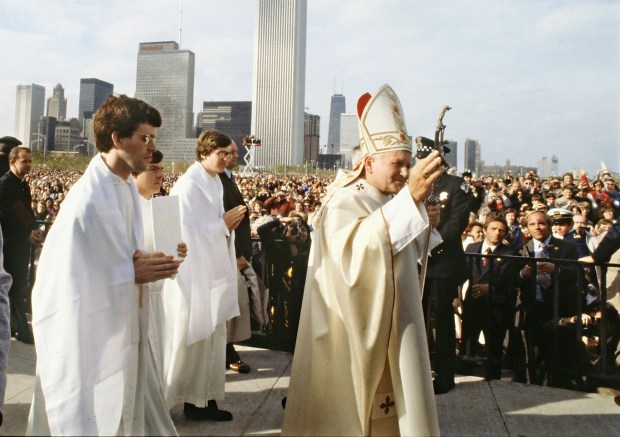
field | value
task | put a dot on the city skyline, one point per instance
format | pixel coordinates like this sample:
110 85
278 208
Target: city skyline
525 79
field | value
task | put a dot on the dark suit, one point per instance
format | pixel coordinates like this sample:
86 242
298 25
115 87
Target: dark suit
493 313
243 247
233 198
537 312
447 270
17 221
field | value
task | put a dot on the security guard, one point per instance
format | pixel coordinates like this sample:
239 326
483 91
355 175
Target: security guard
447 269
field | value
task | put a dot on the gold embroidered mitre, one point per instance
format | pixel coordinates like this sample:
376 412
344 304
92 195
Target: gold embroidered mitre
382 129
382 122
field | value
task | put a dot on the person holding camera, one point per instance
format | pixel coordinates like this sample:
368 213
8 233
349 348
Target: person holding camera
286 243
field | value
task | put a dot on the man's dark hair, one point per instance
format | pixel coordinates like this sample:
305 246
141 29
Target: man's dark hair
122 115
157 157
495 218
209 141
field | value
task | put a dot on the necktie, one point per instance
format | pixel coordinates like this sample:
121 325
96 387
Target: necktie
485 261
544 280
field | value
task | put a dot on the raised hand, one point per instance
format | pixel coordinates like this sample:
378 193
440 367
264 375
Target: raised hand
423 175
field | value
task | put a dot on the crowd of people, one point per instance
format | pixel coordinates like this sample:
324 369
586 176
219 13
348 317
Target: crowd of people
273 201
250 233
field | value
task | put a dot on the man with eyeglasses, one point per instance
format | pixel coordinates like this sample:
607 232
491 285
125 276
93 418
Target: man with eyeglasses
238 328
91 374
203 295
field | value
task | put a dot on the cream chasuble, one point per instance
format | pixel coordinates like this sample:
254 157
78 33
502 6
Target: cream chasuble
85 313
361 364
202 297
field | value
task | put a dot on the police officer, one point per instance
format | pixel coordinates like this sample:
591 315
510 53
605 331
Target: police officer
446 269
562 225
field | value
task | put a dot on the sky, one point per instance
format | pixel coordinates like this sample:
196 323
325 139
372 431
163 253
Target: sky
525 78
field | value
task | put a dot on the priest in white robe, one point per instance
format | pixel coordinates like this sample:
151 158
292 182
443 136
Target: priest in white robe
203 295
90 377
361 364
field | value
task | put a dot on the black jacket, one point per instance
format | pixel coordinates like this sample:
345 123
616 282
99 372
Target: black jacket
567 274
233 198
448 259
16 215
501 278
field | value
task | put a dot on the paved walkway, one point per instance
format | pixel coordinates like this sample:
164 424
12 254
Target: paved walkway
473 408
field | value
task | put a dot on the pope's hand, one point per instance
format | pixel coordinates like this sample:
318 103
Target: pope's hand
151 267
423 174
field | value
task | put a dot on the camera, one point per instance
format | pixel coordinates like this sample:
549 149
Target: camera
292 229
589 331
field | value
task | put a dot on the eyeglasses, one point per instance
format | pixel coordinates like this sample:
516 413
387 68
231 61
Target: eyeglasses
222 154
147 138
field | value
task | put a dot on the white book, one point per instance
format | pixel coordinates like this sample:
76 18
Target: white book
166 214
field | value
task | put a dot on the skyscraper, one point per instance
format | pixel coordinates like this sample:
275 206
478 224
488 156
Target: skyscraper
279 81
338 106
57 104
232 118
29 108
349 137
312 129
472 156
451 158
165 79
93 93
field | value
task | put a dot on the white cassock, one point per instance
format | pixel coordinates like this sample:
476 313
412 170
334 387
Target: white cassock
202 297
156 421
361 364
90 378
